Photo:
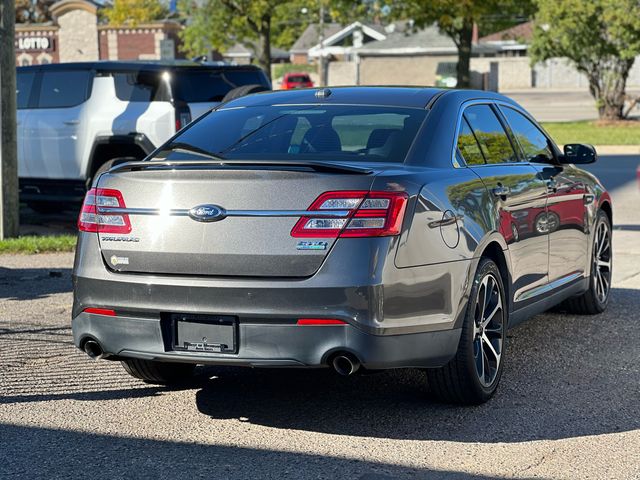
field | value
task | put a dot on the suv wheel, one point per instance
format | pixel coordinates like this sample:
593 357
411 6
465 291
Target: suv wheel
472 376
158 372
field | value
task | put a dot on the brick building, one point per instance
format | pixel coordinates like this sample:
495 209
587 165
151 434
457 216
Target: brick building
75 35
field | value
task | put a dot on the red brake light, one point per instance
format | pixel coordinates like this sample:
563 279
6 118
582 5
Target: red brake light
93 219
365 214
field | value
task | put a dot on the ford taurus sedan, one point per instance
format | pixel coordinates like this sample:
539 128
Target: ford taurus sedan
358 228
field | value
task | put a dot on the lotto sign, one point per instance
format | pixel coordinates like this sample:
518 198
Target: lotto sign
35 43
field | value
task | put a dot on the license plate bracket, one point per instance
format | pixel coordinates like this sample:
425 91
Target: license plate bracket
205 333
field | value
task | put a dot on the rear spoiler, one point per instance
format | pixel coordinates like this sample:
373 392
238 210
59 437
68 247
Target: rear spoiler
328 167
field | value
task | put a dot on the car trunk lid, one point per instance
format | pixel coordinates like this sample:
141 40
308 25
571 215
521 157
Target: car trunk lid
171 208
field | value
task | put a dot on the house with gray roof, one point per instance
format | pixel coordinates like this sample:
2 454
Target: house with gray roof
339 41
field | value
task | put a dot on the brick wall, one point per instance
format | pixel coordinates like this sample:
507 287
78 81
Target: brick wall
31 56
132 44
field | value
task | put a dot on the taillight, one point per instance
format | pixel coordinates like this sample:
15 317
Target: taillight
354 214
93 218
183 117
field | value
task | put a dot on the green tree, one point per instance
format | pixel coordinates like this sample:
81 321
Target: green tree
456 19
257 24
133 12
602 39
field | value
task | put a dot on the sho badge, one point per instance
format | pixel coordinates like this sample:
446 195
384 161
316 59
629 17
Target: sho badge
312 246
115 260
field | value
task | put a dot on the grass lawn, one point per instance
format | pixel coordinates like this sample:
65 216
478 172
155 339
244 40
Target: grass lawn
595 133
37 244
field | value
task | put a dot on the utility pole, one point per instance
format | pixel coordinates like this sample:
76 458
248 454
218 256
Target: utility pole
9 210
321 64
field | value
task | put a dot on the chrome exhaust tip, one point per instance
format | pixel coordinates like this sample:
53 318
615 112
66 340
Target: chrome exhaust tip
93 349
345 364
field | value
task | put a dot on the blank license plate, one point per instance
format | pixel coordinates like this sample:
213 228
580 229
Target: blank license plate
216 334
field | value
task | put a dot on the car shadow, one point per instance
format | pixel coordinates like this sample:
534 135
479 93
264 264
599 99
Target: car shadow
32 283
566 376
35 452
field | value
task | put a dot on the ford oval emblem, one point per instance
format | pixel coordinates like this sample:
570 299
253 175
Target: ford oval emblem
207 213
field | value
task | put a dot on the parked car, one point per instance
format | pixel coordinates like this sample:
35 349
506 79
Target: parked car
357 228
73 118
296 80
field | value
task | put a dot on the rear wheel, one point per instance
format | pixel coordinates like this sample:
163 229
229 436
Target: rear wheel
472 376
596 298
158 372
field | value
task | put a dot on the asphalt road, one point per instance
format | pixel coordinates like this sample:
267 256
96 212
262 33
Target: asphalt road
568 406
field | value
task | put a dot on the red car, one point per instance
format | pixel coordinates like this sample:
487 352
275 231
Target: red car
296 80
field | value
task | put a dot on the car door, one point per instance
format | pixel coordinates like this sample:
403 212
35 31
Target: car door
24 87
52 149
517 195
566 218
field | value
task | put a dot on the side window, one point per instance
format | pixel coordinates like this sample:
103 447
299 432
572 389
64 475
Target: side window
137 86
63 89
468 145
24 83
534 143
494 142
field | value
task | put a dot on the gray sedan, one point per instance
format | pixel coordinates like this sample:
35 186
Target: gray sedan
358 228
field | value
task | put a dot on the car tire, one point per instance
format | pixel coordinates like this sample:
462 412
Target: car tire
162 373
473 375
595 300
242 91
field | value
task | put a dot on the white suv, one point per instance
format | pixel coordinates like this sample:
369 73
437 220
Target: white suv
75 117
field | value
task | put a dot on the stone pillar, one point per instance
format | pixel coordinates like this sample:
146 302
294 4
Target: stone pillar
78 34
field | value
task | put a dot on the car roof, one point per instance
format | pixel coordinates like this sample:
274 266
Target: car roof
398 96
104 66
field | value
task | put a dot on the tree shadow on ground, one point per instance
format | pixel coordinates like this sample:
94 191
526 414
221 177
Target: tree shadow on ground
30 452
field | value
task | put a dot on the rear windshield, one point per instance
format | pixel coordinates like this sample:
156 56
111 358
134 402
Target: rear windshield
297 78
212 86
338 132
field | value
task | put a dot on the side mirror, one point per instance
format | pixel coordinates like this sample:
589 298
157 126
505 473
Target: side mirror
579 153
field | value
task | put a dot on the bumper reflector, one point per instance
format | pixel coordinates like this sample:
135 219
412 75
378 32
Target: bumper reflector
100 311
320 321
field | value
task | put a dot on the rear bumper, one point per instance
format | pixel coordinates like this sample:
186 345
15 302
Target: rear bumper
395 317
269 344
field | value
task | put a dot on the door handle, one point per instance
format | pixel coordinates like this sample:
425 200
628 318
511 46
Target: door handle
71 122
501 191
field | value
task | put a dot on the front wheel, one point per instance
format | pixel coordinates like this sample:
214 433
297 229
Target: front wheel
472 376
596 298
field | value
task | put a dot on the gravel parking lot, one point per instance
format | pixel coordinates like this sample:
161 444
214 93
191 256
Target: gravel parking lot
568 406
